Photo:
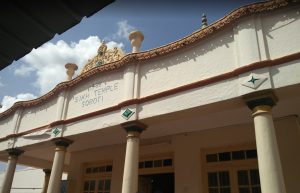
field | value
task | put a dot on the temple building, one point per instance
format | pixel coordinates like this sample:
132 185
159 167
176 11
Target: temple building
214 112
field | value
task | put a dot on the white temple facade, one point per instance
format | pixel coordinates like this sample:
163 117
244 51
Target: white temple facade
215 112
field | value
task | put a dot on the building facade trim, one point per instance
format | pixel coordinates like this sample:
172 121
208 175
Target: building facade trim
201 83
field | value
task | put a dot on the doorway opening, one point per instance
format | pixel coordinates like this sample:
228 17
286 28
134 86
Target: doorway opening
156 183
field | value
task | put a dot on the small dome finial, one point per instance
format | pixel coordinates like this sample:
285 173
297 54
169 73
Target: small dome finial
136 38
204 21
71 68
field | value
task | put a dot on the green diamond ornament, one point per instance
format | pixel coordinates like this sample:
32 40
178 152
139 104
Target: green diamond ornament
55 131
127 113
254 81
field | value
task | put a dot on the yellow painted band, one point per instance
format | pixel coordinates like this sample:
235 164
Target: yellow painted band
261 109
133 134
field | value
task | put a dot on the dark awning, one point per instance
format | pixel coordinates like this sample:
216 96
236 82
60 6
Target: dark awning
27 24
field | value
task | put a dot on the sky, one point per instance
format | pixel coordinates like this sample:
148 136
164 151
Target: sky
161 21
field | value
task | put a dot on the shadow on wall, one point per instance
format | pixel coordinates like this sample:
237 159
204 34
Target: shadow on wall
271 22
281 21
273 26
192 52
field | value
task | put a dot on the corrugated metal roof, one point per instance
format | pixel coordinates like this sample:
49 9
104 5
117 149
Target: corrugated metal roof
27 24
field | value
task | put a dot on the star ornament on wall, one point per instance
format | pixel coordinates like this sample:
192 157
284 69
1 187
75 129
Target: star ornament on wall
253 81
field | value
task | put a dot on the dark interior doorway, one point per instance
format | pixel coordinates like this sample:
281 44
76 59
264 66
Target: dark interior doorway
156 183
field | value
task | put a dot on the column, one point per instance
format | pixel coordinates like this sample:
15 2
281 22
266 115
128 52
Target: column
11 167
130 176
46 180
131 71
58 164
270 171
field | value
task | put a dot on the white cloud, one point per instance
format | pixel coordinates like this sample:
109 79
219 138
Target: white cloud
8 101
123 30
47 62
24 70
113 44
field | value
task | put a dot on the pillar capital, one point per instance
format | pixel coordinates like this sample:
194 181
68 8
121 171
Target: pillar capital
62 142
14 152
47 171
134 126
260 100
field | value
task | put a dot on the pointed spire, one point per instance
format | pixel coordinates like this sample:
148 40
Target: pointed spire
204 21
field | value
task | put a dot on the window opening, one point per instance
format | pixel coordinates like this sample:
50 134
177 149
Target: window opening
218 182
158 163
232 171
248 181
233 155
97 179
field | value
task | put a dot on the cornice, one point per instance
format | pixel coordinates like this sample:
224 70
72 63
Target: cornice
195 37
